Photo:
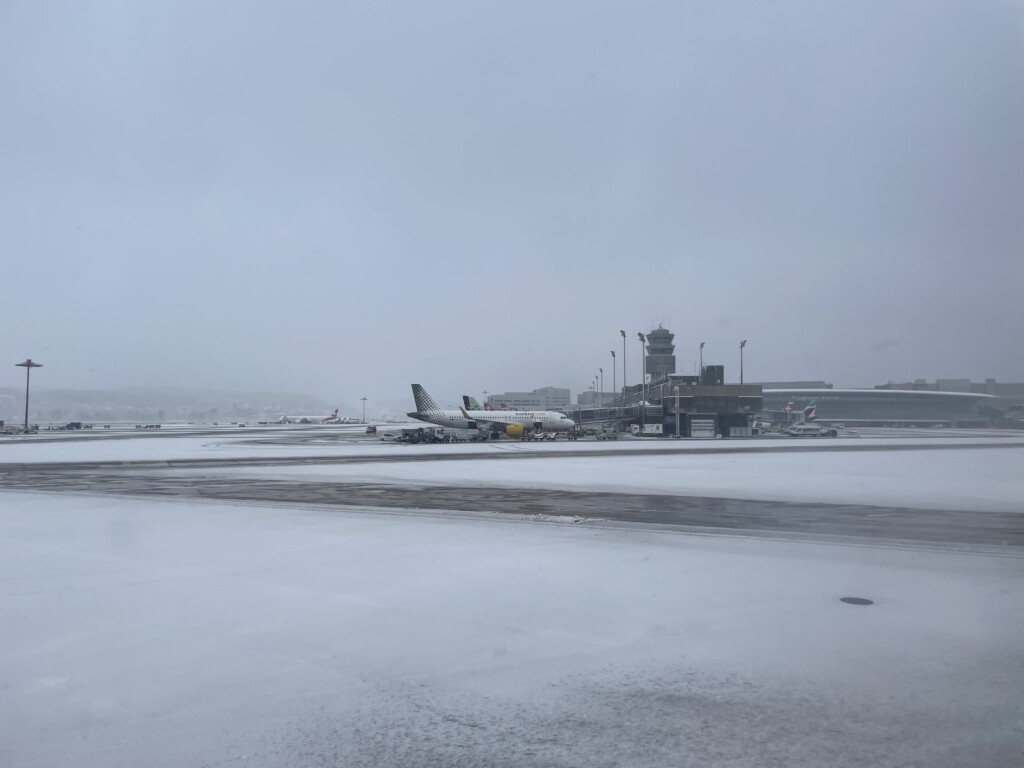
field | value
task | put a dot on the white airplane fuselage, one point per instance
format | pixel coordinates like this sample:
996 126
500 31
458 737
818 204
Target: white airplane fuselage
512 423
550 421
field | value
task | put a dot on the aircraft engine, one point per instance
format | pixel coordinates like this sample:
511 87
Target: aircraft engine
471 425
514 430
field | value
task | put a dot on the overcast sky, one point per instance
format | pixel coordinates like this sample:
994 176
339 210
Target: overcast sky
342 198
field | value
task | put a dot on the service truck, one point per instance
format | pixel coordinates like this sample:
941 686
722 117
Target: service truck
648 430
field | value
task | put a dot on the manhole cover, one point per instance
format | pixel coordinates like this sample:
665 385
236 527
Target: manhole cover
856 600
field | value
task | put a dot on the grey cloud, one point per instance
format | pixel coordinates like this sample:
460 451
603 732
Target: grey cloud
886 344
341 198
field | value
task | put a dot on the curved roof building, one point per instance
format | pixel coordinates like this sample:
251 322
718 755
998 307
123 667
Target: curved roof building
889 407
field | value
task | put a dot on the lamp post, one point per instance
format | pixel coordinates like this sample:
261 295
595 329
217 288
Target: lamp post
623 367
28 365
364 409
643 358
676 390
701 371
742 345
601 371
614 389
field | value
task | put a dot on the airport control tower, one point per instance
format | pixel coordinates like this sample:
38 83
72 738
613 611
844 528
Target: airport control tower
661 358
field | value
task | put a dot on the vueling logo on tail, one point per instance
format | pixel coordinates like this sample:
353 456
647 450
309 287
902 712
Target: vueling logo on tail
424 402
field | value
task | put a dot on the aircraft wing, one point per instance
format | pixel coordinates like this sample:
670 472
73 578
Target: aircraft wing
482 422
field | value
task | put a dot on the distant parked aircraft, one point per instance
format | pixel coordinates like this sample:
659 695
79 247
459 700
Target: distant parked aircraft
334 418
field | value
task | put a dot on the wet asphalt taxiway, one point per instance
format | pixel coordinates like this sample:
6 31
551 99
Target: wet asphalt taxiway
857 523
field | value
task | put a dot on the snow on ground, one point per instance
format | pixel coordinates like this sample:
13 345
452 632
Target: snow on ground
287 444
140 632
975 479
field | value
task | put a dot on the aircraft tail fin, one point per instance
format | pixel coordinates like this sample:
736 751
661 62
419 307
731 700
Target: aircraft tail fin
424 402
471 403
809 410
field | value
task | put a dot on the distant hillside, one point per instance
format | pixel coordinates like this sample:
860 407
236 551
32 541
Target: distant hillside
153 404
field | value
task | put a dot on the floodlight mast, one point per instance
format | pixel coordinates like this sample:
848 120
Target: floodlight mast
28 365
643 357
623 333
615 390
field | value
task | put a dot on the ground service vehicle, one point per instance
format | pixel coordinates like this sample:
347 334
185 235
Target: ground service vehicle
423 435
648 430
809 430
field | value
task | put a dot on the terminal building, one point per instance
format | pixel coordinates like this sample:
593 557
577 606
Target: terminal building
543 399
700 404
942 403
666 399
732 407
886 408
1010 393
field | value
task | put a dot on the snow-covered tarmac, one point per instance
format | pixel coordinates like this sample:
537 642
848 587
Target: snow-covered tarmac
348 442
148 632
976 478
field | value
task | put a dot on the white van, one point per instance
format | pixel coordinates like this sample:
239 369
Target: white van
810 430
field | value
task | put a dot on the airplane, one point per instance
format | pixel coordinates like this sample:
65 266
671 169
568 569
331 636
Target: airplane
809 413
334 418
516 423
511 423
777 419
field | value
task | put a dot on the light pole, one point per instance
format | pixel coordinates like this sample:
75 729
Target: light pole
676 390
615 391
643 357
701 371
623 367
742 345
364 409
28 365
601 371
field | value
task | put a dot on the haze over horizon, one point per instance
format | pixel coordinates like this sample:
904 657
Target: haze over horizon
339 199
